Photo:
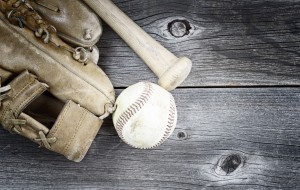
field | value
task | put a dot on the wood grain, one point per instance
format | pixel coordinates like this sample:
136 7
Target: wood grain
170 70
231 43
239 131
239 138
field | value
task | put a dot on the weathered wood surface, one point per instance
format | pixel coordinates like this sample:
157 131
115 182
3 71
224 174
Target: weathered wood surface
231 43
226 138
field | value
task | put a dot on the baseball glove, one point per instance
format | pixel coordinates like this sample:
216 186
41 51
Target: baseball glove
43 77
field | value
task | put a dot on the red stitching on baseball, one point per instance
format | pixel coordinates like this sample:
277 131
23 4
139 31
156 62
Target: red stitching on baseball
171 121
133 109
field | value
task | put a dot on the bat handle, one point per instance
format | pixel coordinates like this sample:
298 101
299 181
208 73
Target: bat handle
170 70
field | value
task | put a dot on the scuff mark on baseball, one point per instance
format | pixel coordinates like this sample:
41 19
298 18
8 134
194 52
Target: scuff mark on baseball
146 115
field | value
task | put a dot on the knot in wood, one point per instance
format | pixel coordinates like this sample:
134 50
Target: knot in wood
182 135
179 28
229 164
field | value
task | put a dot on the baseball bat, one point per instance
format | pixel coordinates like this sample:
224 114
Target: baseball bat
170 70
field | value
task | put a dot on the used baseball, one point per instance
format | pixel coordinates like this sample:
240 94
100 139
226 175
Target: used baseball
146 115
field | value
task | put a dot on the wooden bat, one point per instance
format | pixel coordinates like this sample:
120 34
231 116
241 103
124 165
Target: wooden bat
170 70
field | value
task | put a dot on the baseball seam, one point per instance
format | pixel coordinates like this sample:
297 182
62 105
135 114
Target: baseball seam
136 106
133 109
170 123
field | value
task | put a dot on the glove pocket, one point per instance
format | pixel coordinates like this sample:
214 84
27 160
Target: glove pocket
72 132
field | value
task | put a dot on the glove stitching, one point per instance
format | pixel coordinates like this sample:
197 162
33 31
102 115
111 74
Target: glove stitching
29 99
25 102
59 64
24 14
13 98
83 116
53 132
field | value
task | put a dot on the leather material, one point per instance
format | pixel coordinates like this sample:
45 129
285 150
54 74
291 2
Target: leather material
22 14
24 89
74 136
71 135
5 75
74 21
40 73
68 79
94 54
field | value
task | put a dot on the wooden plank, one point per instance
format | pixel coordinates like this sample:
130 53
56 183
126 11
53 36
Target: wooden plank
231 43
239 138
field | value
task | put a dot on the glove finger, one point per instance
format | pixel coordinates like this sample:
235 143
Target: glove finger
74 21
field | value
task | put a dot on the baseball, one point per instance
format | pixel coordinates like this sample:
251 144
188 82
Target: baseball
145 115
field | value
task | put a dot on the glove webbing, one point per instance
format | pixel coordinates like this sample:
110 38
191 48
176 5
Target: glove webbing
21 13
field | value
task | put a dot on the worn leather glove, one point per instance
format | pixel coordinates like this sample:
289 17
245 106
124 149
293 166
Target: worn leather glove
44 78
75 23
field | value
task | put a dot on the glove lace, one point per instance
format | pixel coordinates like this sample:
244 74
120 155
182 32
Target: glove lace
14 123
44 141
21 13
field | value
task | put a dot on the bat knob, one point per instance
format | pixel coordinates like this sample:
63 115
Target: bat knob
175 74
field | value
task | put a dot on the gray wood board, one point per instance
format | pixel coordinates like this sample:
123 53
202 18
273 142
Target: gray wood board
226 138
231 43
